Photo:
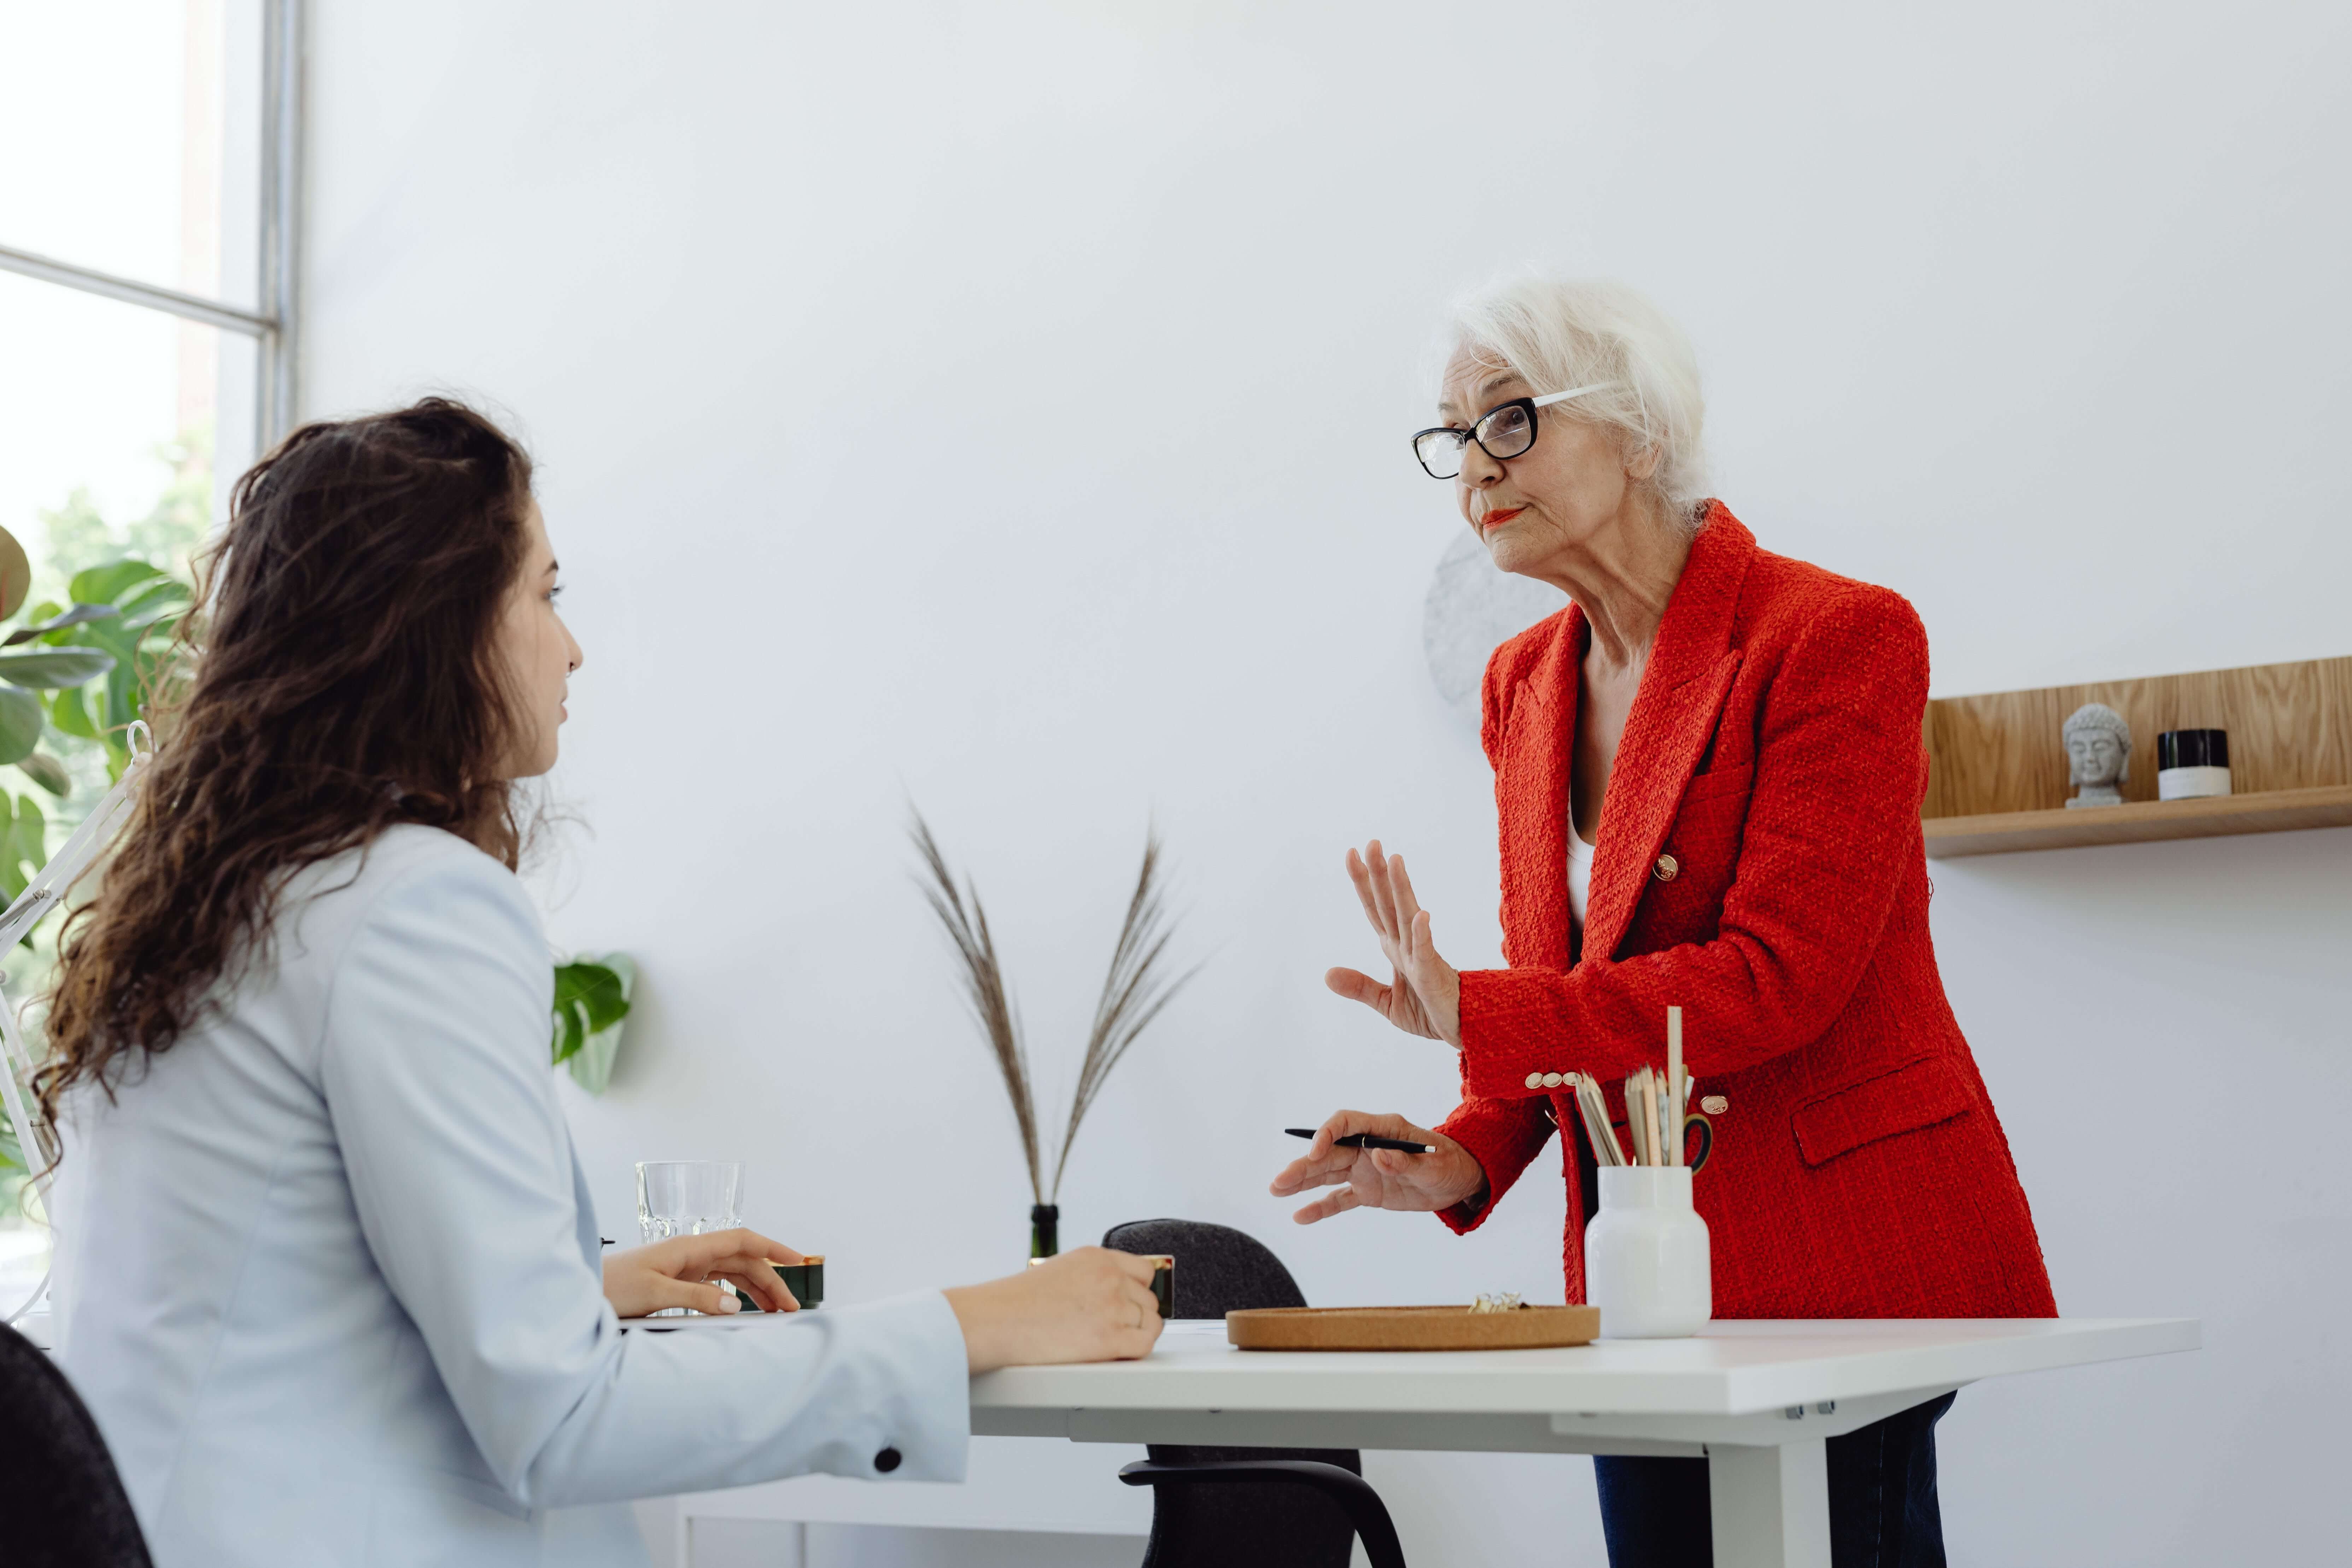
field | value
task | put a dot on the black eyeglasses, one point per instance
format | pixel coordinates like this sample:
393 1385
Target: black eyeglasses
1503 432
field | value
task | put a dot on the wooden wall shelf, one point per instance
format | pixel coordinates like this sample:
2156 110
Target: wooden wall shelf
1998 769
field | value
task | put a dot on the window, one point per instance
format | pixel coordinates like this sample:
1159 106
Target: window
148 187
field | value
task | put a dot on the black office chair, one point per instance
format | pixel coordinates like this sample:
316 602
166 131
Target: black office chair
61 1503
1246 1508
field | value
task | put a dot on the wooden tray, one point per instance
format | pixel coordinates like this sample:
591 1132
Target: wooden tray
1410 1328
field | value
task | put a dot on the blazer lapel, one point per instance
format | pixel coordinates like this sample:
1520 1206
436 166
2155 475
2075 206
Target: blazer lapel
1673 718
1532 798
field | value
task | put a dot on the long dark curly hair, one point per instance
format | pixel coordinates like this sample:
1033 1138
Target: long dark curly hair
341 677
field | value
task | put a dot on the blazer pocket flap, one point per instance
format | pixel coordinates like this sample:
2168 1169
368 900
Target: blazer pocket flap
1918 1094
1717 783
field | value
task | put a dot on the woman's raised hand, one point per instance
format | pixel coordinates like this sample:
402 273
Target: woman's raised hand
678 1273
1087 1305
1380 1178
1423 996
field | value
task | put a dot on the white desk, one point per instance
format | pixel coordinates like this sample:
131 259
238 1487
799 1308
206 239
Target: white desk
1757 1399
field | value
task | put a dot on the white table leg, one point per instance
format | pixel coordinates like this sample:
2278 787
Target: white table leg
1770 1506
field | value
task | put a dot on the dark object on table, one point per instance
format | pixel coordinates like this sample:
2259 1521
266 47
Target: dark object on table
1246 1508
1368 1141
1163 1285
805 1280
60 1493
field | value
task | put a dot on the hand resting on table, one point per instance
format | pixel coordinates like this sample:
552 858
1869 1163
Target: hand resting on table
1380 1178
1087 1305
678 1273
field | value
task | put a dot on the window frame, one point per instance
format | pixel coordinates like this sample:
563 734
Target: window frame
276 326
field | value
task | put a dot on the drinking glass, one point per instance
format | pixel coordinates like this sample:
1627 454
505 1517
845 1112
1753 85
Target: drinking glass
688 1197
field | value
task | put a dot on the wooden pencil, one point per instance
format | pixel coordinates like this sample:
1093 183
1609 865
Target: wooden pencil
1673 1085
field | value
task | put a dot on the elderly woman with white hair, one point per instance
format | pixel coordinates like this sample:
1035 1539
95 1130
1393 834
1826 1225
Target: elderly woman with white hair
1707 778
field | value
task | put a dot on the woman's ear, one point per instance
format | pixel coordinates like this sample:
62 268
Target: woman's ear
1644 463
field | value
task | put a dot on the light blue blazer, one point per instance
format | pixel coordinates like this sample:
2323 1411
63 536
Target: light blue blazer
329 1273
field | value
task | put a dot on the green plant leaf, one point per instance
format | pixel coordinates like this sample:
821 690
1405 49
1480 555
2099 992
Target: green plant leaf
591 997
46 771
52 668
105 585
155 599
571 1033
107 632
127 681
32 835
58 622
598 985
115 703
24 847
39 613
21 718
66 712
16 574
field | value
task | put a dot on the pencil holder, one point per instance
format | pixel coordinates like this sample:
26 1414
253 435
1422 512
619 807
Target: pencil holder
1645 1255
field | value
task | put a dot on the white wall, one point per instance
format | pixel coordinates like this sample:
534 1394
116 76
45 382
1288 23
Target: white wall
1003 406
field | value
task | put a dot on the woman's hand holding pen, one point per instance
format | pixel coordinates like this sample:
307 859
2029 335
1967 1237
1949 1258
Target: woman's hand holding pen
1380 1178
1423 996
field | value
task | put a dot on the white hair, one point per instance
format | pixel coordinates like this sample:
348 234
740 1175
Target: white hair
1558 332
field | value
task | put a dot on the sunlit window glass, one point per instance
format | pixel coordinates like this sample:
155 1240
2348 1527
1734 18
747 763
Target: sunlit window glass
131 147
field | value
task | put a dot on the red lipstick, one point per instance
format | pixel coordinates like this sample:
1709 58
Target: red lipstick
1499 516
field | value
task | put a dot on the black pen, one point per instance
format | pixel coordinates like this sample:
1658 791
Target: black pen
1366 1141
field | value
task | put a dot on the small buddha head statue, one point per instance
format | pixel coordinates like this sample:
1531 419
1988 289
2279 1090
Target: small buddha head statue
2098 751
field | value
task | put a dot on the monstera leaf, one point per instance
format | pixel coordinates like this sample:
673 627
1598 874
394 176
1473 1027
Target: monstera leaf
591 998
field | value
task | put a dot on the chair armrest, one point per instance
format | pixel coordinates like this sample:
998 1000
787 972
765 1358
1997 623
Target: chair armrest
1354 1495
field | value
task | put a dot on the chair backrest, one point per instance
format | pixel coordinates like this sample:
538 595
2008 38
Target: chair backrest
61 1502
1220 1269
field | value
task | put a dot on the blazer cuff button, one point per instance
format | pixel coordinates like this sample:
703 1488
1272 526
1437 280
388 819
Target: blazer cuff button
1535 1080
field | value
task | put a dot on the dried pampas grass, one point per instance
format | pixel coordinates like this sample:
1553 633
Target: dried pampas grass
1133 994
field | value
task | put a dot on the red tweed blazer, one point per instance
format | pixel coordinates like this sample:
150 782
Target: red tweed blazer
1761 867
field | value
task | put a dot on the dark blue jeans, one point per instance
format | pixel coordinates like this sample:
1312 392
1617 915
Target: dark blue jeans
1883 1511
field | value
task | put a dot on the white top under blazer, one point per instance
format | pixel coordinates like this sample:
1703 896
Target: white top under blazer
1580 871
329 1276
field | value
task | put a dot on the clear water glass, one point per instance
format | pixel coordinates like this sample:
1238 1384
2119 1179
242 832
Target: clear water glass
686 1197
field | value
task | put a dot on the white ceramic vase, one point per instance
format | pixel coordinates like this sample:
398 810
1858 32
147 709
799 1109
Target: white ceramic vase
1645 1255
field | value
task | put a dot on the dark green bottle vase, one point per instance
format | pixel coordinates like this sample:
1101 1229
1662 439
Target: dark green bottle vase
1044 1229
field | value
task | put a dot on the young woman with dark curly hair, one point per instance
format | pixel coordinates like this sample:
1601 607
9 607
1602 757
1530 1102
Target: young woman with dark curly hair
331 1278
